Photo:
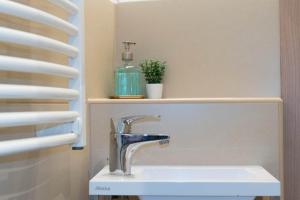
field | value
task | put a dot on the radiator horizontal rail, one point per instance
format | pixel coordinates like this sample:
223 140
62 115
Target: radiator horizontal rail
8 91
8 63
11 147
26 12
33 40
13 119
58 128
66 5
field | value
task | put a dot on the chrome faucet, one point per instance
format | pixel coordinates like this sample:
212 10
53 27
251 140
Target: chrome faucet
123 143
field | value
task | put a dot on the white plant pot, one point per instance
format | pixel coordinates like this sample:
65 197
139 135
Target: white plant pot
154 91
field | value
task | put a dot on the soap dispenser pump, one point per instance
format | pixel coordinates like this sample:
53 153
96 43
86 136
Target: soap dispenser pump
127 55
127 77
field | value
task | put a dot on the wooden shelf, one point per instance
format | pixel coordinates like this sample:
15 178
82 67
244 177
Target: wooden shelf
185 100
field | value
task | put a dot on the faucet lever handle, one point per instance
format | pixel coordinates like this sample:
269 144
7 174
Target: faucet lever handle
125 123
140 118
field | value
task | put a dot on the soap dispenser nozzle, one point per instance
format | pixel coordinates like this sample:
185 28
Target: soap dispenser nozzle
127 55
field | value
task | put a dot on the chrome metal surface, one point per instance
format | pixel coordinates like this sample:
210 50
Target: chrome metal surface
123 144
124 124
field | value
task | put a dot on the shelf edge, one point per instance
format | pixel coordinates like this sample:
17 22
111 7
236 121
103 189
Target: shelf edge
185 100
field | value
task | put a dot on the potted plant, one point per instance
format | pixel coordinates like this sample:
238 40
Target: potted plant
153 71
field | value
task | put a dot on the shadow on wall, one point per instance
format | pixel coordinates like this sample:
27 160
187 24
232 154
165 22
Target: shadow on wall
36 174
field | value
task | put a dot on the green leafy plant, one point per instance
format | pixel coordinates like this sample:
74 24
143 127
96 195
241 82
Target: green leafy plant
153 70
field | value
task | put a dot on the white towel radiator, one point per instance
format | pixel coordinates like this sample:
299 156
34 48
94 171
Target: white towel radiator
70 124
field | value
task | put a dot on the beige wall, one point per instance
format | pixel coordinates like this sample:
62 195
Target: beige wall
214 48
201 133
57 173
100 36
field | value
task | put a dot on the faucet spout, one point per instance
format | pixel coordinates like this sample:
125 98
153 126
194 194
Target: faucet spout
131 143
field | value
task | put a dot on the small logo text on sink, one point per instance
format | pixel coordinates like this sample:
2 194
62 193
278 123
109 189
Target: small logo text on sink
102 188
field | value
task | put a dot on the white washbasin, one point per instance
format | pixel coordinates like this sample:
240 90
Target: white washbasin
188 182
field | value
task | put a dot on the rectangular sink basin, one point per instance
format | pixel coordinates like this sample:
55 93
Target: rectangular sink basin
190 182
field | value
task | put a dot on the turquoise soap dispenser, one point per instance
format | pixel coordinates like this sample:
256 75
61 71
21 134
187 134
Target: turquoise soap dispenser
127 77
